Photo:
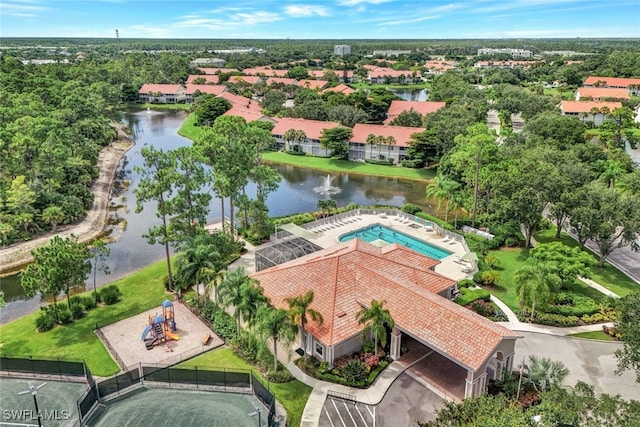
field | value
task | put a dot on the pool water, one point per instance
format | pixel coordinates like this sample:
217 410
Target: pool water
377 231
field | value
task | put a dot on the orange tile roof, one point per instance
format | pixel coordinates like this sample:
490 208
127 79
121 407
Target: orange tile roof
402 134
312 128
269 72
422 107
207 78
247 79
587 106
161 88
312 84
342 88
612 81
346 277
212 71
602 92
208 89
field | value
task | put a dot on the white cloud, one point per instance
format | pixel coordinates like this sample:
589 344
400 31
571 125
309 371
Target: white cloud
20 8
236 20
411 20
357 2
303 10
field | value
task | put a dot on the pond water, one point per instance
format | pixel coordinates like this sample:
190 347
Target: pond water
130 251
411 94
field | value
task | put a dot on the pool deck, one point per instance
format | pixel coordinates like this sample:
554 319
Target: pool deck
328 235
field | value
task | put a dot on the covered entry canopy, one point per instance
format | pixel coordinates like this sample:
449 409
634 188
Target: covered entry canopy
296 230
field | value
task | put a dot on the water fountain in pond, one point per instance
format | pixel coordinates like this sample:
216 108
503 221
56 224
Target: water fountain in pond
326 189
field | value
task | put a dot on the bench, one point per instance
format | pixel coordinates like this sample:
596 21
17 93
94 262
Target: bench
205 338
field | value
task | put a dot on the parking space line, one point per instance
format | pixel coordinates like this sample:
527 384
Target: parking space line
361 416
338 412
369 410
350 416
328 416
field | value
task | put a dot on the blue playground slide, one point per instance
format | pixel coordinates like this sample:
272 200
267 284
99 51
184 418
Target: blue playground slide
145 332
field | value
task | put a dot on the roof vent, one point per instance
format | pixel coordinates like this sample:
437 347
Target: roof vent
342 314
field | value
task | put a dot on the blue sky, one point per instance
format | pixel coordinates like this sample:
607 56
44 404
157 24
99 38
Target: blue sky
326 19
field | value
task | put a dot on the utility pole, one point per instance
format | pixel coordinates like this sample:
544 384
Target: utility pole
33 390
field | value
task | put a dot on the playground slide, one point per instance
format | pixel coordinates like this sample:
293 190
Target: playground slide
146 332
172 336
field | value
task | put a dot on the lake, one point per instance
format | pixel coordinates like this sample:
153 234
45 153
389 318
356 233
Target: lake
130 251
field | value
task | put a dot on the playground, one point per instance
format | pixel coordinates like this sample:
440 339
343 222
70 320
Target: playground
170 407
56 402
160 335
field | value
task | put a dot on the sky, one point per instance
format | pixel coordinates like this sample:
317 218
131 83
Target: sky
321 19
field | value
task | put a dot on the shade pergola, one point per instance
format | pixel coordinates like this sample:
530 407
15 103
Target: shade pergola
296 230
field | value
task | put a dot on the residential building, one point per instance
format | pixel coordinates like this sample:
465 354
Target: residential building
360 149
213 62
503 64
631 85
347 277
383 75
438 67
312 130
342 88
161 93
601 93
421 107
391 52
191 91
589 111
217 70
342 50
515 53
209 79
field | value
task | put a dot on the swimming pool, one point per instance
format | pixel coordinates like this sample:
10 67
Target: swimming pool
377 231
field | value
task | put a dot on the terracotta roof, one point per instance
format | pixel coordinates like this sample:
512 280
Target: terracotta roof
402 134
377 72
212 71
612 81
247 79
342 88
587 106
440 65
312 84
284 80
264 70
422 107
161 88
241 101
602 92
208 89
207 78
312 128
346 277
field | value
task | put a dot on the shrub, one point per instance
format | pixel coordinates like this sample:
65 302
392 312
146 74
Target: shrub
225 326
46 320
481 307
110 294
466 283
354 372
64 314
77 310
411 208
488 278
387 162
556 320
296 153
88 302
413 164
573 304
368 347
279 377
467 296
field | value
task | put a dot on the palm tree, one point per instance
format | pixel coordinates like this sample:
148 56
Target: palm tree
53 215
535 284
442 188
239 291
613 170
542 373
375 318
390 140
199 261
275 324
295 136
372 140
299 310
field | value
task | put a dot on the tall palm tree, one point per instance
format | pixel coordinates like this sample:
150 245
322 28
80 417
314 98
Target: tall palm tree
275 324
372 140
375 318
53 215
390 140
199 262
295 136
443 189
299 309
239 291
535 284
543 373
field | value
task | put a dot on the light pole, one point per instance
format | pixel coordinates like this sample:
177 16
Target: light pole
259 414
34 391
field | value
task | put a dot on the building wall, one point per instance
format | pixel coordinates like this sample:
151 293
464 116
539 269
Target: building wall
346 347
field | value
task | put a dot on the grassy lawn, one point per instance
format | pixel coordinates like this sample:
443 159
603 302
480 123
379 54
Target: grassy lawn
333 165
594 335
292 395
141 291
185 107
608 276
511 259
596 131
189 130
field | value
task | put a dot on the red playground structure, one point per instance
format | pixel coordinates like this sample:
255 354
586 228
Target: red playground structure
160 328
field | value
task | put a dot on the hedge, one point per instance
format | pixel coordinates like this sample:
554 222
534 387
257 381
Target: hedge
467 296
573 304
388 162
